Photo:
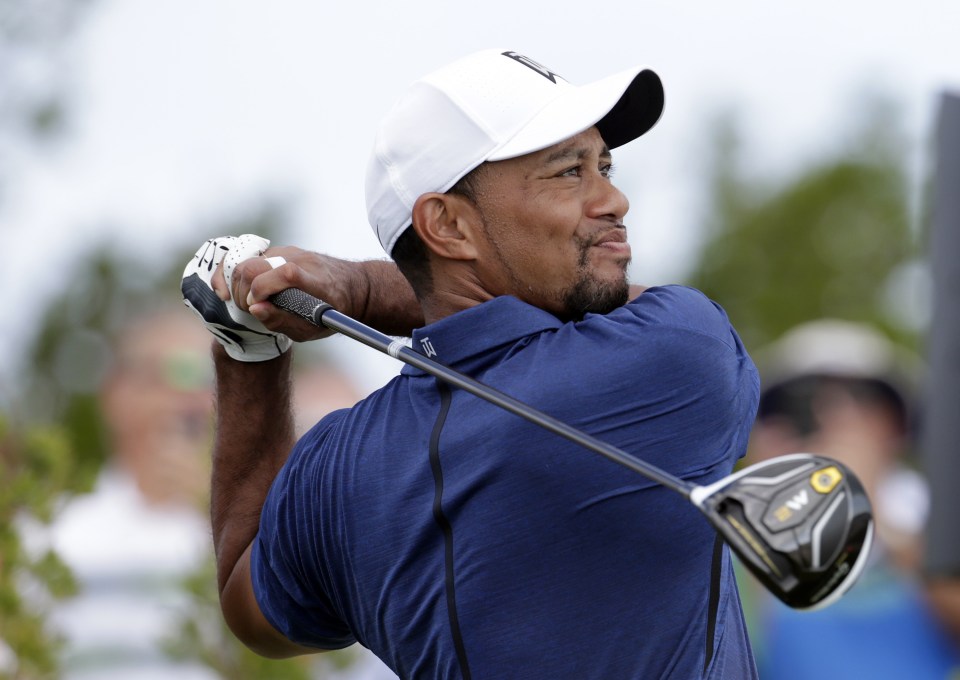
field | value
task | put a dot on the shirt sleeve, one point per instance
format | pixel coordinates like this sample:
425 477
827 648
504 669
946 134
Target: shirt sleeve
287 566
683 308
671 382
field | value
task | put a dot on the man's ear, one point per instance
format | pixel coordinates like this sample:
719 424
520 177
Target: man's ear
447 224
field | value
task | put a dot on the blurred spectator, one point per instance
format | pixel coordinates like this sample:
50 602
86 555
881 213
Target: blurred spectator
143 533
841 390
144 526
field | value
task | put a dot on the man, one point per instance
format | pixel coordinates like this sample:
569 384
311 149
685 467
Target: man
453 539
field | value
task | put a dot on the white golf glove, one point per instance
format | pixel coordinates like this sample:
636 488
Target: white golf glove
244 338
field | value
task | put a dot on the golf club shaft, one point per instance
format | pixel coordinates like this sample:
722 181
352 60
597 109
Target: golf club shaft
322 314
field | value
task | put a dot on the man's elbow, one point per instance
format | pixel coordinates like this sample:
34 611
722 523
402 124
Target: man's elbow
246 621
256 633
265 646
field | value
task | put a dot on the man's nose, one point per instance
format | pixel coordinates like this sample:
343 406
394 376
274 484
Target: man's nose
607 201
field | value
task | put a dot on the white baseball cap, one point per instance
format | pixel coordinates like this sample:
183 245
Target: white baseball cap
490 106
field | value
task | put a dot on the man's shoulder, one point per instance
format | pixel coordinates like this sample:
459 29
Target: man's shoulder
678 303
671 310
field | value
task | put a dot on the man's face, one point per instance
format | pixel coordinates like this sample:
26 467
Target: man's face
553 232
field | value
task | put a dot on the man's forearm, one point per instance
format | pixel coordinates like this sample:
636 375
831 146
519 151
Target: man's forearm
372 291
254 436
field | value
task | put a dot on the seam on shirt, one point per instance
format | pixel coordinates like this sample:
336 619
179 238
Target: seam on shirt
444 523
716 568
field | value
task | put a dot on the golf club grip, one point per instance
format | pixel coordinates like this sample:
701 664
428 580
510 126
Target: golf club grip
320 313
302 304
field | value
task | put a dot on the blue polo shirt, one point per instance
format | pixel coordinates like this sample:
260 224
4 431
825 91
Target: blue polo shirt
456 540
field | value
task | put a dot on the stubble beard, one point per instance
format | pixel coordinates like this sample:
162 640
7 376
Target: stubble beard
589 295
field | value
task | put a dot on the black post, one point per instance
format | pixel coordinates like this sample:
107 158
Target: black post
941 420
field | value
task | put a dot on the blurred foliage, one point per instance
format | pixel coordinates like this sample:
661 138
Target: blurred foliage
36 467
825 243
38 464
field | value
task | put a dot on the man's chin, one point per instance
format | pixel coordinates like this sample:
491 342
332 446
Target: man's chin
596 297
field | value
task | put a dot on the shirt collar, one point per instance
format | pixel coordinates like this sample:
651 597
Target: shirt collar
477 330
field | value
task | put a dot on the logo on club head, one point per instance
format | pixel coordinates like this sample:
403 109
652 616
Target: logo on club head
792 505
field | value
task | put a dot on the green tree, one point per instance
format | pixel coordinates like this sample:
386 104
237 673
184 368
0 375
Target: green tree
823 243
36 467
37 462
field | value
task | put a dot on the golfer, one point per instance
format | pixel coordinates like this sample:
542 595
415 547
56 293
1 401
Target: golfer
453 539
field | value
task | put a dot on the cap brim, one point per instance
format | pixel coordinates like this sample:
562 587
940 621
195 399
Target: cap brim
622 106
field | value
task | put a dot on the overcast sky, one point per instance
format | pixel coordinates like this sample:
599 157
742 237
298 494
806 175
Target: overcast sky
188 110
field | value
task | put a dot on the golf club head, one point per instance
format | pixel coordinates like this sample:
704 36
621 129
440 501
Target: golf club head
801 523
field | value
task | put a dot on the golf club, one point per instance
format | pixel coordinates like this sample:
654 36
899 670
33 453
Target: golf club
800 523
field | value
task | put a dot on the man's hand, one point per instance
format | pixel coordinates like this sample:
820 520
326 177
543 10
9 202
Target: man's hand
373 291
240 333
339 282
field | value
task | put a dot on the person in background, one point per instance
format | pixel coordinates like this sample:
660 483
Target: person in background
130 542
144 528
841 390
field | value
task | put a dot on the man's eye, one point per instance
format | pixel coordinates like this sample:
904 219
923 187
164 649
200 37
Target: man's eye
605 170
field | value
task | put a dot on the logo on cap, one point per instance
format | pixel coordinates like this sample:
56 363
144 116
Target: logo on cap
531 64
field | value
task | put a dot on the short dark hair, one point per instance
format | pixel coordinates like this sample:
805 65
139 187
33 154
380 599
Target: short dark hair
413 260
411 253
466 186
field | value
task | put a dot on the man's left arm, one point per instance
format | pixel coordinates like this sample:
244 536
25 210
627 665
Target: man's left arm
373 292
254 432
254 435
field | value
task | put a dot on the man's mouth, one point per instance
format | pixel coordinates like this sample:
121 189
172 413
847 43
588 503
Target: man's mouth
615 241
